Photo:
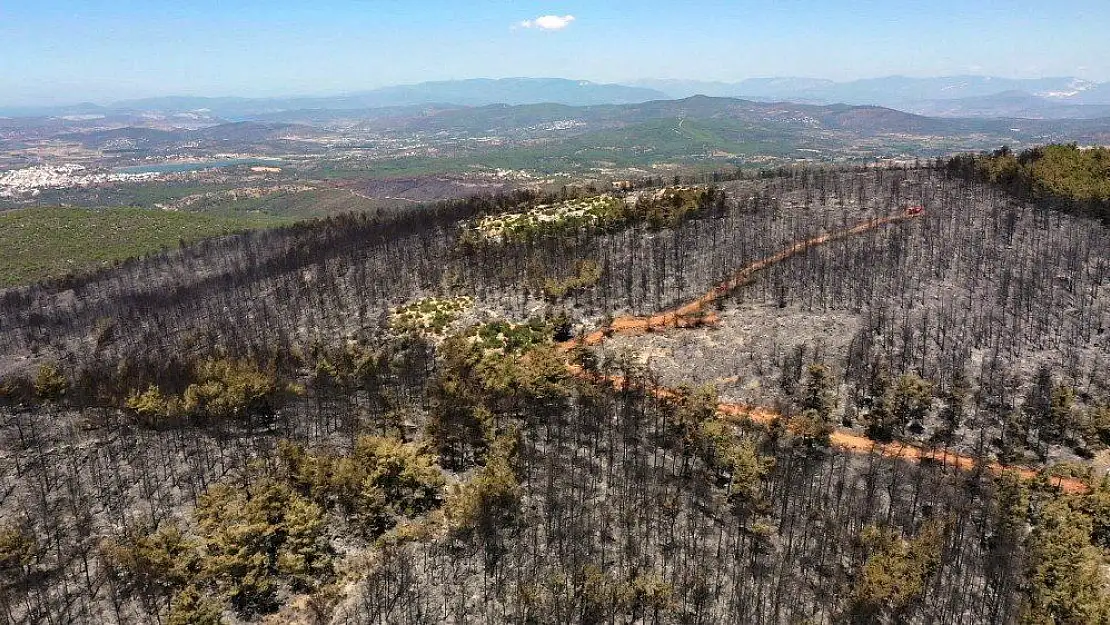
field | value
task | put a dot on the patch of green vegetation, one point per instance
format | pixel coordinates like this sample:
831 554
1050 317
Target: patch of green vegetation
897 571
1083 175
507 337
19 548
546 219
1066 535
684 141
223 390
430 316
1065 176
41 243
664 208
393 167
670 141
487 372
297 204
670 206
587 273
382 481
145 194
491 500
250 545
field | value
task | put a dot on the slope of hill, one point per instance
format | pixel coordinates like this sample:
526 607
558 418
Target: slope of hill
42 243
374 419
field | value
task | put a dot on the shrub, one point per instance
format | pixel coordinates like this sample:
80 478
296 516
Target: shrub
896 571
382 481
19 549
429 317
50 384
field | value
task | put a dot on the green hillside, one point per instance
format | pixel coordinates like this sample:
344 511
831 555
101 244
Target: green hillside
39 243
682 138
1064 176
719 141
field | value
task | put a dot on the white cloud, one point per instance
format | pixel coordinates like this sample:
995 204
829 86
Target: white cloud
548 22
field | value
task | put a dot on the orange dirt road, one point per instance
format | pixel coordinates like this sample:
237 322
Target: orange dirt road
692 314
854 443
842 439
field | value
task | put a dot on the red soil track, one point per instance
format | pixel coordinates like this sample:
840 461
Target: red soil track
843 439
693 314
854 443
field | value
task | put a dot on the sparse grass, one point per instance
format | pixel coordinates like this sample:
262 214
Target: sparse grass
41 243
570 215
664 208
430 316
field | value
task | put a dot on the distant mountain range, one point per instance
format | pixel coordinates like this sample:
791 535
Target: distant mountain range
955 96
558 137
952 96
1017 104
474 92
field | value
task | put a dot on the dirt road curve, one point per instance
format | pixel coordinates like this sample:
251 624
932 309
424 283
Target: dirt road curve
692 314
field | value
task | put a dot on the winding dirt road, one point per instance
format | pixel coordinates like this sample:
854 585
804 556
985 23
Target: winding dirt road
693 314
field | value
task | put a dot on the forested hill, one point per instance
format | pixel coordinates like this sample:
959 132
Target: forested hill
884 401
1066 177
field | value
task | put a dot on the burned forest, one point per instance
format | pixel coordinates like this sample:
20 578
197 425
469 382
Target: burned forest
825 395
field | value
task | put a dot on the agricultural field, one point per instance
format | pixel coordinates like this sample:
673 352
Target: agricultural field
42 243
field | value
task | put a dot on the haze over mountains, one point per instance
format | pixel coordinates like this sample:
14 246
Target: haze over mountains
955 96
473 92
951 96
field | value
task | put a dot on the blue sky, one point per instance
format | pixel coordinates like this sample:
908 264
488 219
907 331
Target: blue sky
59 51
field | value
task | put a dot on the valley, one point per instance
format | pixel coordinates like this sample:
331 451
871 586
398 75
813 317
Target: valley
430 152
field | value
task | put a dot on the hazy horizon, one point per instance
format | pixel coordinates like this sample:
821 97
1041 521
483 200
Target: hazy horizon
337 93
630 82
61 52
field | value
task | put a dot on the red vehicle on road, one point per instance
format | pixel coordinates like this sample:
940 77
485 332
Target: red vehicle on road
915 210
